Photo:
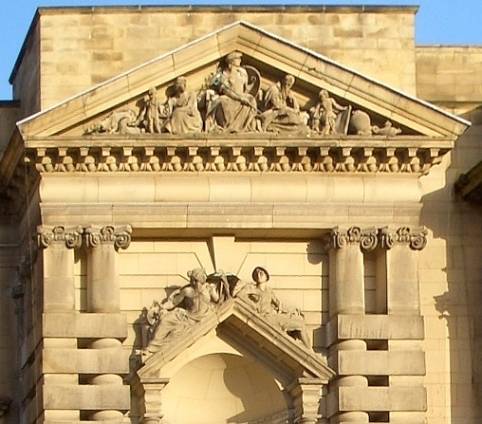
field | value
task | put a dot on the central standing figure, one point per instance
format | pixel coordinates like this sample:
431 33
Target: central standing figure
232 109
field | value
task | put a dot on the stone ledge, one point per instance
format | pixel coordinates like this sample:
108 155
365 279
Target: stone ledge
71 397
374 327
348 399
381 363
85 361
84 325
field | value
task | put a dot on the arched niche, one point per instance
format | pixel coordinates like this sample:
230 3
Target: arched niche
233 367
223 388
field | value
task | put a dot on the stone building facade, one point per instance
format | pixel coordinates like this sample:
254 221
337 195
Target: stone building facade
240 215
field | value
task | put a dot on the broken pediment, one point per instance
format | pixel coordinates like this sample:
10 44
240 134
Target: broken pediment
247 316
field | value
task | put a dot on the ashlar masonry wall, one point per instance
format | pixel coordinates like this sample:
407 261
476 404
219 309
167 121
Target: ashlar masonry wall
80 47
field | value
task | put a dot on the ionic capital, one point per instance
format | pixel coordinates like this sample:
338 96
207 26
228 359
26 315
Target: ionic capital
366 238
70 236
119 236
415 238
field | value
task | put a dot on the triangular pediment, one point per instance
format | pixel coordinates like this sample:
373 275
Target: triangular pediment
274 58
240 325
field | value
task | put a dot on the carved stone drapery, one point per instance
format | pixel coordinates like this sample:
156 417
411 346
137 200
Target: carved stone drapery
71 236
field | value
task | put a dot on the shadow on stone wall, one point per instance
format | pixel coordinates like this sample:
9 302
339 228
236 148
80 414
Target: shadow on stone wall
459 224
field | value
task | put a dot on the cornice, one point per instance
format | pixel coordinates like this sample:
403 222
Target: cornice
410 155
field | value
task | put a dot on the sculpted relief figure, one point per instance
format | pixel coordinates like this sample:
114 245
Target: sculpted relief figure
281 109
324 116
150 115
264 300
122 121
230 105
234 100
183 308
190 304
182 114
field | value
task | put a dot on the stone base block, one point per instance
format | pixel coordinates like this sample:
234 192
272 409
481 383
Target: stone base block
84 325
396 399
86 361
381 363
375 327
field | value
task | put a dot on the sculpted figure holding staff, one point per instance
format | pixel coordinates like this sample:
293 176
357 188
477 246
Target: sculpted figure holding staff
231 107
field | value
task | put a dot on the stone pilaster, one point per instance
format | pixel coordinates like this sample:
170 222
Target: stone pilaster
103 296
347 297
402 246
58 244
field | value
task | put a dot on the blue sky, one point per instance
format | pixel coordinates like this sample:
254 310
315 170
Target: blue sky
438 21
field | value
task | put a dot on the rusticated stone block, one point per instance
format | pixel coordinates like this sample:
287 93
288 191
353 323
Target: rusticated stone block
96 325
86 397
375 327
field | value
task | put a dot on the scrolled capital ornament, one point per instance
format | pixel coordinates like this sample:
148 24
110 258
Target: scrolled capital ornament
118 236
70 236
369 239
415 238
366 238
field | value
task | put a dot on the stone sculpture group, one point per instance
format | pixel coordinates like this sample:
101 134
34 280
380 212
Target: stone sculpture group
232 102
190 304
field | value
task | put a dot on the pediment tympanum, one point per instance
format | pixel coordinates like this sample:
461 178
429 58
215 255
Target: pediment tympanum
240 99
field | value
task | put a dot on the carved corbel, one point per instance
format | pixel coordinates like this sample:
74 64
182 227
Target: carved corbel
307 394
325 163
347 164
152 388
70 236
415 238
118 236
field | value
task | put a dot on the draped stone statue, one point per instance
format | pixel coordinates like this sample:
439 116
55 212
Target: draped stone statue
281 109
183 308
230 105
182 114
267 304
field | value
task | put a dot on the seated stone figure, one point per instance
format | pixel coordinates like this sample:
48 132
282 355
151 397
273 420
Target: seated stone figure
183 116
230 106
281 110
270 308
184 308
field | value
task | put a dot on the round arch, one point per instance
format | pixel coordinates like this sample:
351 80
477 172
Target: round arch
223 388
